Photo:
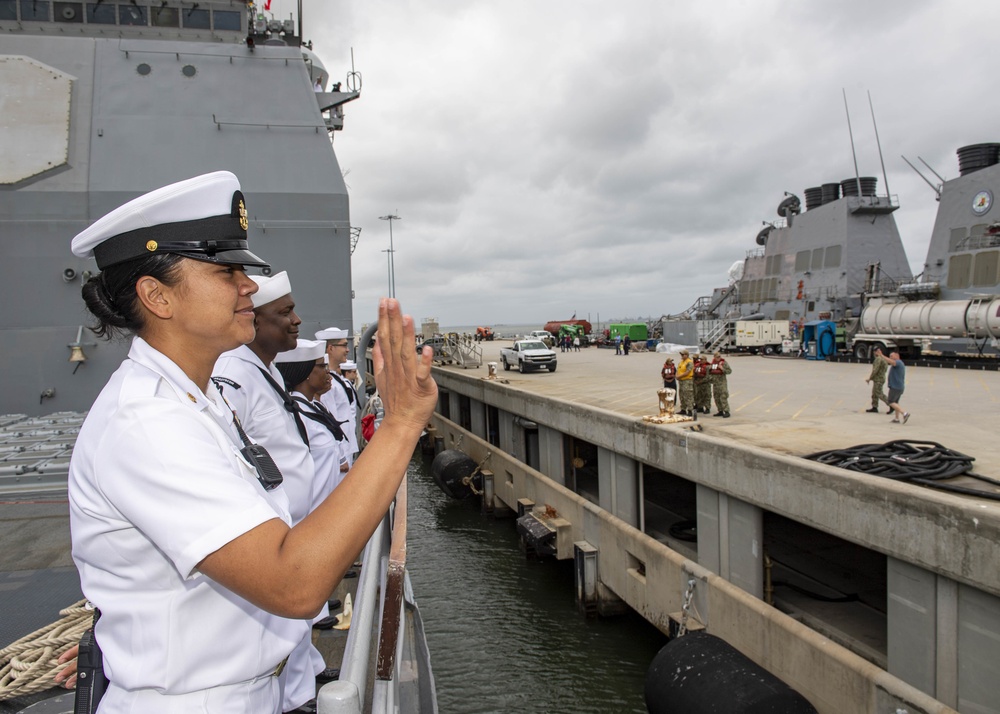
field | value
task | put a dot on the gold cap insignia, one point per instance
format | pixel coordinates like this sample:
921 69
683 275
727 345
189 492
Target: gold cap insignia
151 246
191 397
244 223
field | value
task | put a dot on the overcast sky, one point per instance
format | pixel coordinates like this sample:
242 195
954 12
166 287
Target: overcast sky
549 157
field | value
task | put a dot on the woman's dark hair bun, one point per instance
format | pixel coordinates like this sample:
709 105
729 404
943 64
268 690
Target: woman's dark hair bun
111 298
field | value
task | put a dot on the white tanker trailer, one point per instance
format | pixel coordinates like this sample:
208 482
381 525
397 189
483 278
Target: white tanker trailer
914 326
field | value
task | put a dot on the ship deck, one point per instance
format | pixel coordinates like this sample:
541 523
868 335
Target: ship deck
788 405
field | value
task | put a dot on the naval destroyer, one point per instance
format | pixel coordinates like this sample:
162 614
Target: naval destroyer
100 102
841 260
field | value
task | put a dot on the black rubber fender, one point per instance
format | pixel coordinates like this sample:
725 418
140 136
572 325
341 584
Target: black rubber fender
701 673
450 468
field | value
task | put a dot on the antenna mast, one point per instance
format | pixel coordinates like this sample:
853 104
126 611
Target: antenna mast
885 179
857 175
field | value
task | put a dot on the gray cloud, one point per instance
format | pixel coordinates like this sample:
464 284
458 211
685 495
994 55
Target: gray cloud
618 158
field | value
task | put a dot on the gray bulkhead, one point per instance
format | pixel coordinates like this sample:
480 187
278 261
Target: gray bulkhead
962 256
827 248
143 113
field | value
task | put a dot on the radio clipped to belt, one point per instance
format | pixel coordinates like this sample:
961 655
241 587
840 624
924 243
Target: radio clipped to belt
90 679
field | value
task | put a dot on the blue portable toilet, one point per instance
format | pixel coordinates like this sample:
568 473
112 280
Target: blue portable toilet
819 339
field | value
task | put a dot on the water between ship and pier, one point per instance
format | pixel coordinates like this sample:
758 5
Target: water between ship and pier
503 631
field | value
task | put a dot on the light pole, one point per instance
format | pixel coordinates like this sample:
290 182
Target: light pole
392 262
389 251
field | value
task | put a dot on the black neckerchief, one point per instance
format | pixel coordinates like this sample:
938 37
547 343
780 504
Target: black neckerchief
349 390
290 406
322 415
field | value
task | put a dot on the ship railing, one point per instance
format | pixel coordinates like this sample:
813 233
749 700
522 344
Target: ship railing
975 242
370 678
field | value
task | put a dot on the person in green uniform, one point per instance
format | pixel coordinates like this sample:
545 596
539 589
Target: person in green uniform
702 387
717 372
880 366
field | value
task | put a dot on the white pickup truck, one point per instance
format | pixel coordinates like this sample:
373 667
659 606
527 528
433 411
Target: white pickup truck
527 355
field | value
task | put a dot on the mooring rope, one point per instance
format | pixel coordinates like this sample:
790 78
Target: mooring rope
30 664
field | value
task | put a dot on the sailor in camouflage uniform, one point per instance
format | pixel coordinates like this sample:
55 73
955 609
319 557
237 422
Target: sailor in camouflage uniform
702 386
880 367
717 372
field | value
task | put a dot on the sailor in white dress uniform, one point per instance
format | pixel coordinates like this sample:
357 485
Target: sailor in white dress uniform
182 531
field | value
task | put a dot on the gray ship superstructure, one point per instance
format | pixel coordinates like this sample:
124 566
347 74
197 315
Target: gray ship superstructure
103 101
842 260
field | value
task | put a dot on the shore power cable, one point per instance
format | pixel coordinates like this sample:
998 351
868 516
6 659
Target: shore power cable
922 462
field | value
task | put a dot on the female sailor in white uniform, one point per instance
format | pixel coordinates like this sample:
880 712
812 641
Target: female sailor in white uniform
181 541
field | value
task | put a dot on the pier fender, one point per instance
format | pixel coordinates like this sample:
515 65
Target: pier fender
700 672
456 474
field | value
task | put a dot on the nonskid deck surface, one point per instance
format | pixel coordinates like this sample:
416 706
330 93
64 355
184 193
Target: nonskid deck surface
788 405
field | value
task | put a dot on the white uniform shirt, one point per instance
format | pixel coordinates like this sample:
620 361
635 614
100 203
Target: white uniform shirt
263 416
344 409
327 453
156 484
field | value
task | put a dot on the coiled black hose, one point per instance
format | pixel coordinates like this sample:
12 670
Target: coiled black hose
923 462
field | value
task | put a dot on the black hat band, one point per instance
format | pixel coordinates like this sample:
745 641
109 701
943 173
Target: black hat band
216 234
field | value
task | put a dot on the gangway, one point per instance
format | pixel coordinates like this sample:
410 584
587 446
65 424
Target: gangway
459 350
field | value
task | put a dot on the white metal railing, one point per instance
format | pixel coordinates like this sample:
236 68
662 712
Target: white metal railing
376 620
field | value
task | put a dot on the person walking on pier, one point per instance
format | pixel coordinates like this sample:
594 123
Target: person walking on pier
717 372
897 383
626 344
618 344
880 365
685 376
702 386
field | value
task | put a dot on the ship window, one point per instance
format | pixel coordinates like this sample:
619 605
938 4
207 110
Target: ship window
225 20
776 266
978 230
817 259
832 257
164 17
34 10
985 273
958 270
802 261
197 19
772 292
68 12
8 9
957 236
767 264
100 14
131 15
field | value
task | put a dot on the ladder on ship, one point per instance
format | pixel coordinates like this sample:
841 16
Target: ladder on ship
716 335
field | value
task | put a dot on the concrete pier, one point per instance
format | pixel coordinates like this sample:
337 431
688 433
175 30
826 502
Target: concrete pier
916 564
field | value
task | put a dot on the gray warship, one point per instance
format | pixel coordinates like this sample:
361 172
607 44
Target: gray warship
102 101
842 260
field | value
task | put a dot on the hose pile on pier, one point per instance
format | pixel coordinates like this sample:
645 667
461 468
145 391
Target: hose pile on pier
29 665
923 462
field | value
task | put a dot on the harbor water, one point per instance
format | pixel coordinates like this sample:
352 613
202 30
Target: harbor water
503 630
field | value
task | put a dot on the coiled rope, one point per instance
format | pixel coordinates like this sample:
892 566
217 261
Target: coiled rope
30 665
923 462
